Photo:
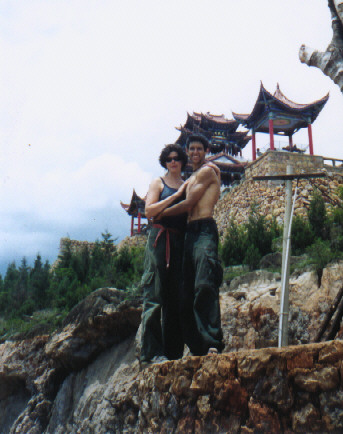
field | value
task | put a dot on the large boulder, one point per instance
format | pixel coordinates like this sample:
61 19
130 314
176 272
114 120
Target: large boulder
104 318
33 370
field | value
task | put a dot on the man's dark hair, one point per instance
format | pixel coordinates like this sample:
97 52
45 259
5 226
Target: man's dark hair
198 138
173 148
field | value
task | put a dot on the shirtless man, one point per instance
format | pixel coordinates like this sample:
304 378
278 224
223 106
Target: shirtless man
203 274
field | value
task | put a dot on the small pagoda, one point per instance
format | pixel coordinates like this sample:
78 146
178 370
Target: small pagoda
136 209
226 143
276 114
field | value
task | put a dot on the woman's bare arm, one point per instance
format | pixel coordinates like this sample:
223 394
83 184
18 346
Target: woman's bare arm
153 206
204 178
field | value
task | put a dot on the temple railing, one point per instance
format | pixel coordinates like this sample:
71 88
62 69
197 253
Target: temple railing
334 161
279 145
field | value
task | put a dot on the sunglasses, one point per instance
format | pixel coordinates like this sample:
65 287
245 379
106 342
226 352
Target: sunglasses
170 159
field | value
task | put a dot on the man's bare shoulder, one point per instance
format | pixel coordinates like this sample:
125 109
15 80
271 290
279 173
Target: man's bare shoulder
208 171
214 167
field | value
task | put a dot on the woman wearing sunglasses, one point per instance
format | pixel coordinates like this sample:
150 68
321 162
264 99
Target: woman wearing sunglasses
161 282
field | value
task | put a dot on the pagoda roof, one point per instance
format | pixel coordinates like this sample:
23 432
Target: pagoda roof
222 158
288 116
239 138
137 203
208 121
185 132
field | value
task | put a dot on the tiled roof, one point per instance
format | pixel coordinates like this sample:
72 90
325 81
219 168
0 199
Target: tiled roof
280 104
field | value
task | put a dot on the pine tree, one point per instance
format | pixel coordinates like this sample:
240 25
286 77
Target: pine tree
317 215
39 281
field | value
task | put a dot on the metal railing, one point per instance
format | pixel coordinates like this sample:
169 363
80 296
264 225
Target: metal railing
280 145
334 161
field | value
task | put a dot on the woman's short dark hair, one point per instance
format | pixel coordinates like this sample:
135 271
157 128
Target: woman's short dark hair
173 148
198 138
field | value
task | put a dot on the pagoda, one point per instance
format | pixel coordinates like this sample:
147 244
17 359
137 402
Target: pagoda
276 114
226 143
136 209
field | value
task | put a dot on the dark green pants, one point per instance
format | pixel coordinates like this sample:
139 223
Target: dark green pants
203 275
161 328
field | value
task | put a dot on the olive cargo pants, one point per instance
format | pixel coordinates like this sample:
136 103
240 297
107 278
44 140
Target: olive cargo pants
203 274
161 328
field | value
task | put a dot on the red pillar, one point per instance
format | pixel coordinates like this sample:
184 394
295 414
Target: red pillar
310 140
253 146
132 224
271 134
139 222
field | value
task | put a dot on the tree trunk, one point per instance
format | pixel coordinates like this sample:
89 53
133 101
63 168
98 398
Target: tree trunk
329 62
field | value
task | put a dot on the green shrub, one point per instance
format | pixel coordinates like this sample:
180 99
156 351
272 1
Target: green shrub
301 235
247 243
320 255
259 233
317 215
336 237
252 257
233 249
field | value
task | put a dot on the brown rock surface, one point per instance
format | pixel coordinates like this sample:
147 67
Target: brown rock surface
85 378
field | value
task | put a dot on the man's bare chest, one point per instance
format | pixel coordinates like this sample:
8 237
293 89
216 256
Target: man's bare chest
191 183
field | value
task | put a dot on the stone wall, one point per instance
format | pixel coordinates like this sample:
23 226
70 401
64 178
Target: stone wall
75 245
137 240
275 163
269 196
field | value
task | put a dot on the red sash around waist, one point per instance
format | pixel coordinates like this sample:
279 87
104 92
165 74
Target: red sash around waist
167 231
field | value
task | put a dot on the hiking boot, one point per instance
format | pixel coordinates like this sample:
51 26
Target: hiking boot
159 360
154 361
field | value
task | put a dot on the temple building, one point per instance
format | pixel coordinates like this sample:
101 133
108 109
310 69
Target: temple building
276 114
273 114
226 143
136 209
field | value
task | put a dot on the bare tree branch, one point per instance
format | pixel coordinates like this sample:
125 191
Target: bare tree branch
329 62
336 24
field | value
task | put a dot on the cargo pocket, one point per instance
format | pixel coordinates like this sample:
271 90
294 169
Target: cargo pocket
147 278
216 274
146 282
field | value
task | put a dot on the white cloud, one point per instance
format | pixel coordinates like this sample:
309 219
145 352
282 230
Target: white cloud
91 91
62 194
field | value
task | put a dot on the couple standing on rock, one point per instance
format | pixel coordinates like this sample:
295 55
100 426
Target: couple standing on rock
182 270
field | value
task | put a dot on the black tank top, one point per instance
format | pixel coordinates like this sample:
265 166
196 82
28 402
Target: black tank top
178 221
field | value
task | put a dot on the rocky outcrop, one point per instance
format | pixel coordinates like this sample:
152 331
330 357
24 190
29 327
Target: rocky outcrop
86 378
296 389
293 389
250 307
32 371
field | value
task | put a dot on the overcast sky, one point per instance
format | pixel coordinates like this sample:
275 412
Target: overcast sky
92 90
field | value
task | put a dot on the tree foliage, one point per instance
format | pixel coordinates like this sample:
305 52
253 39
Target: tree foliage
25 289
247 243
317 215
318 235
